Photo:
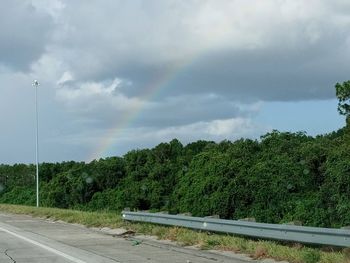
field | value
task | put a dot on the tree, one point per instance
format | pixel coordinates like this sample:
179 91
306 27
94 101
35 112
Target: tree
343 95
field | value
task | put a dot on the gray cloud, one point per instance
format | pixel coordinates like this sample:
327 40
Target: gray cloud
275 51
24 33
271 75
209 63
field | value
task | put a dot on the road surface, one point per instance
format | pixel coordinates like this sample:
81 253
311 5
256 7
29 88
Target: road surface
24 239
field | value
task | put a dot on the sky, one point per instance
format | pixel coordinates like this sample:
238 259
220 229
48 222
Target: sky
119 75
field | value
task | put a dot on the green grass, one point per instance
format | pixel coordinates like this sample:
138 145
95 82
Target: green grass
294 253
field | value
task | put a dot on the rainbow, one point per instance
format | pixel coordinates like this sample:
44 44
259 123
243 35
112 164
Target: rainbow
151 90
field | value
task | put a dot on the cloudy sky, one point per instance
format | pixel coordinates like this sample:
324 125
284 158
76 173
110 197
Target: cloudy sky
117 75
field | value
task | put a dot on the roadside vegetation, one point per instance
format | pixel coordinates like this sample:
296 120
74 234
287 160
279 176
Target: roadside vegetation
257 249
282 177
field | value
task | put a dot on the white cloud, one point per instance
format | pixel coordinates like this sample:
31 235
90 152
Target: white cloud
66 77
230 127
216 130
54 7
94 97
212 130
47 68
173 30
135 138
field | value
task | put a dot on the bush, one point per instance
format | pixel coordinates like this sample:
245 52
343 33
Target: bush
19 195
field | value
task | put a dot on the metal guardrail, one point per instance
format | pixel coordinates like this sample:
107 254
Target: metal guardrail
300 234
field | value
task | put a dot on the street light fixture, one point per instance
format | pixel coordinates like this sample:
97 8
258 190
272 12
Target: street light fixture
35 85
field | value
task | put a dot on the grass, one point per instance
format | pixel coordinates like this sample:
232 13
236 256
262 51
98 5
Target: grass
258 249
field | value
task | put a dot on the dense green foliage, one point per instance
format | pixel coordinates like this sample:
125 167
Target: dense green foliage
343 95
280 178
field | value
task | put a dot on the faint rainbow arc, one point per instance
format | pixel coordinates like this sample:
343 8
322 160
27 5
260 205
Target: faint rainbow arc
156 85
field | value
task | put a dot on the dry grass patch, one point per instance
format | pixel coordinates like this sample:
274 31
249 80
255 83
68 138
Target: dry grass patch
260 252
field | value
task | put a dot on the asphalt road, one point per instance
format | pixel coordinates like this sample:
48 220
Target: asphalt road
24 239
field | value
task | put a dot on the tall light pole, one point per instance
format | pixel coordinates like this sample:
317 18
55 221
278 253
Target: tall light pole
35 85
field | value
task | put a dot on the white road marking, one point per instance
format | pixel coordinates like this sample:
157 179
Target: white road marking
55 251
19 220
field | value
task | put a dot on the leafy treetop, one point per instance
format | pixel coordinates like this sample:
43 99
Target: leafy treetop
343 95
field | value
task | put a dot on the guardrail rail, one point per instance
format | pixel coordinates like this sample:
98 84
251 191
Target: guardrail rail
300 234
